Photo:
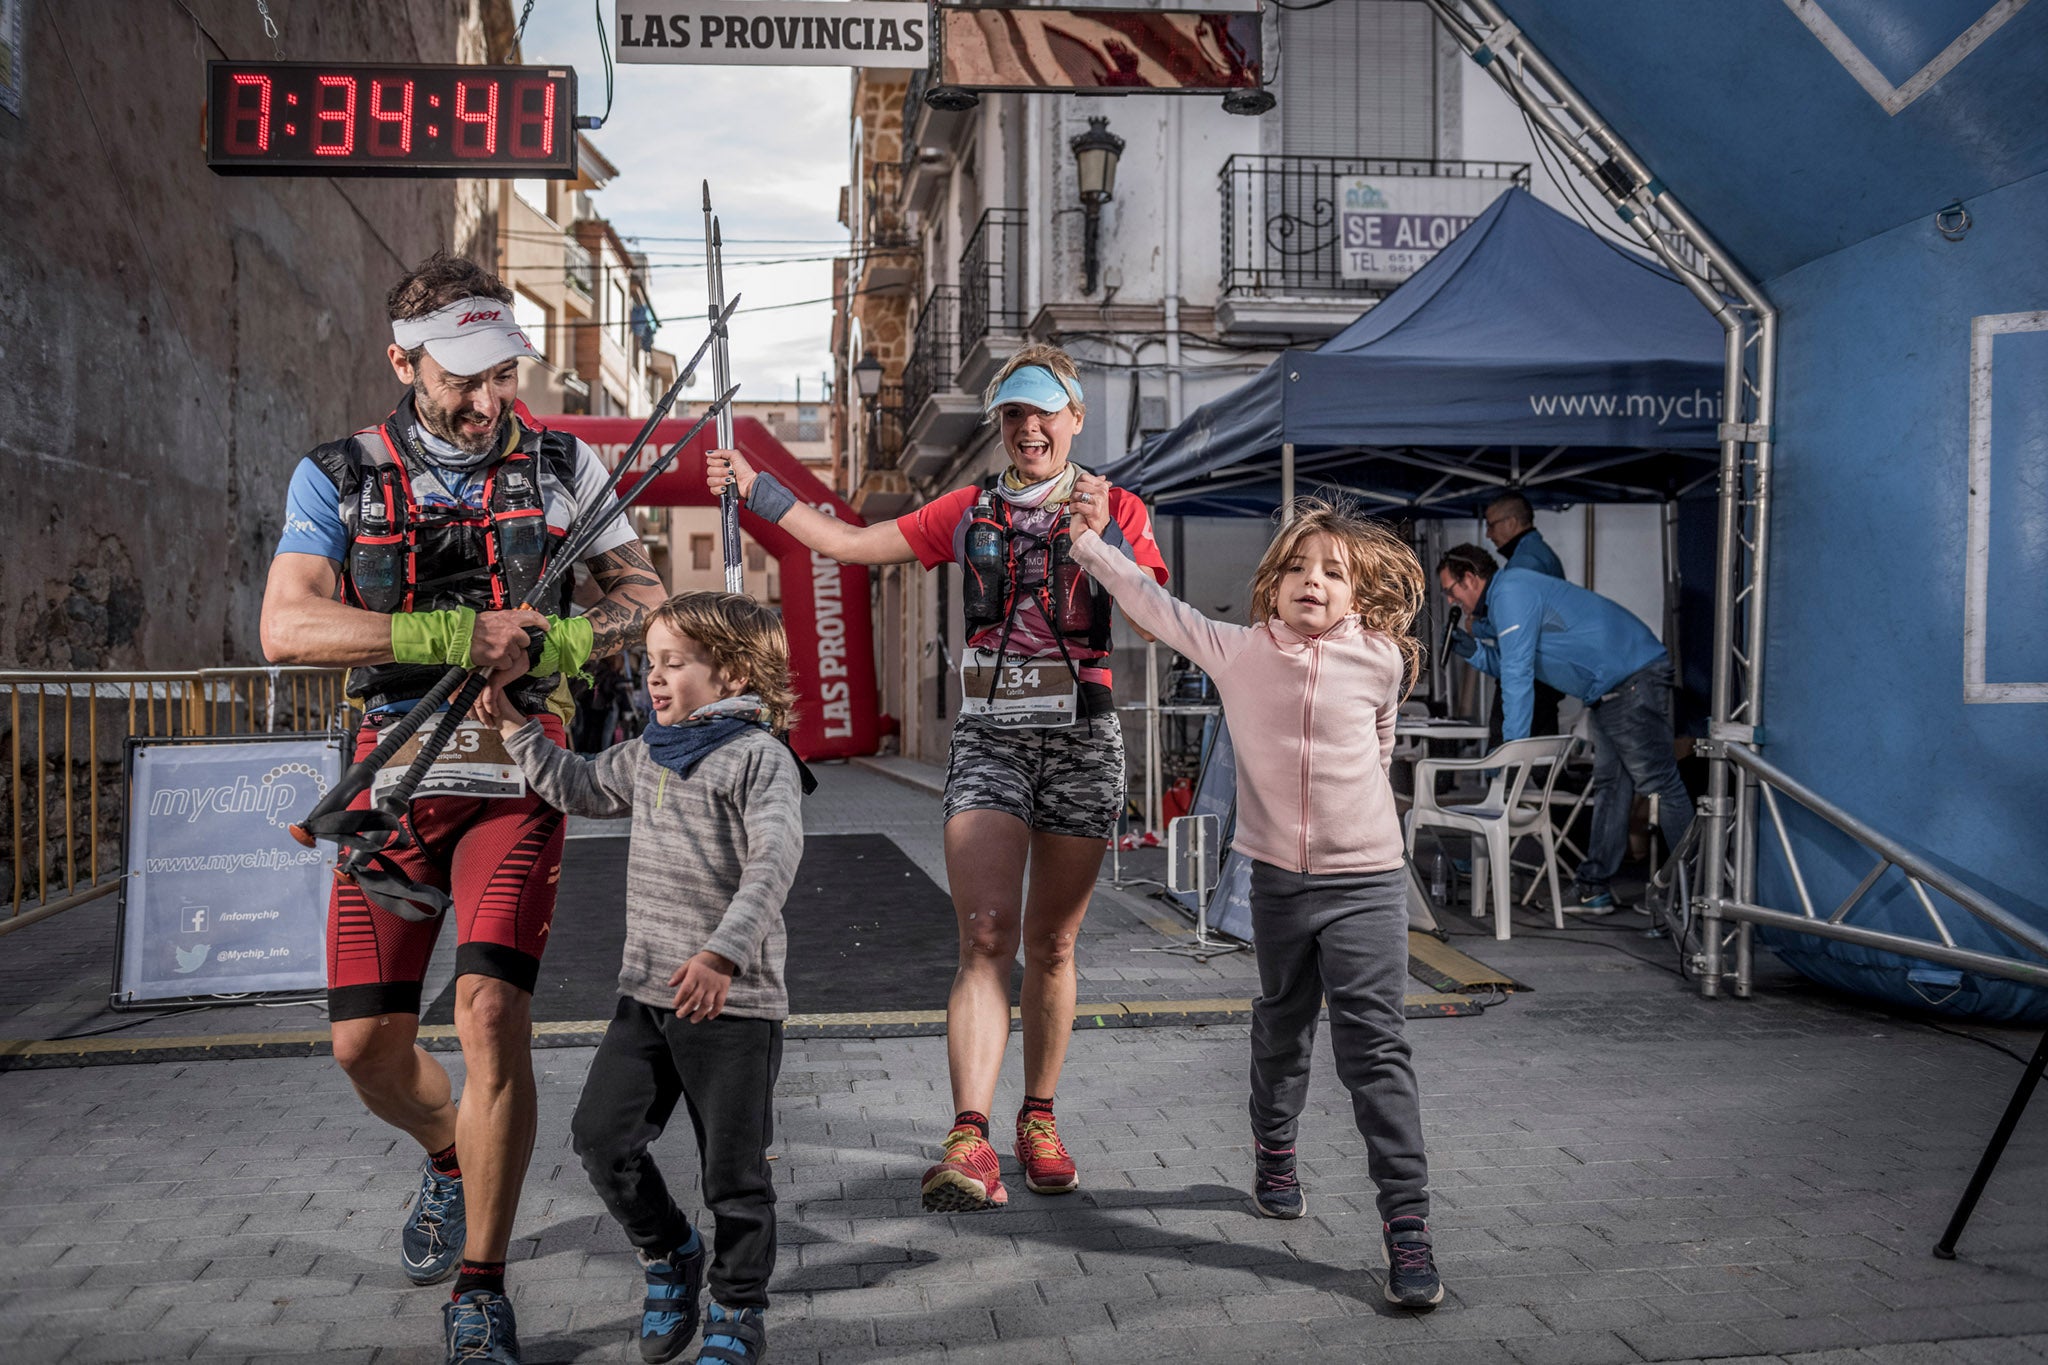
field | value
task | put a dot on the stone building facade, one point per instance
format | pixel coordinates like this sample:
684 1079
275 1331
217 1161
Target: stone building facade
174 340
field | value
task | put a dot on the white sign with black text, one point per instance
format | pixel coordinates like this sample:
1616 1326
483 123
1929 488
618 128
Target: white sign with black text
884 33
1390 226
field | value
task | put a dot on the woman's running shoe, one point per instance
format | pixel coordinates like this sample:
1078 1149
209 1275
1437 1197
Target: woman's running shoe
1047 1167
968 1179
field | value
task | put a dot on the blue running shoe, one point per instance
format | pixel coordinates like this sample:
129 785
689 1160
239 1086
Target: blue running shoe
1592 901
431 1242
1276 1189
479 1327
1412 1281
733 1336
668 1315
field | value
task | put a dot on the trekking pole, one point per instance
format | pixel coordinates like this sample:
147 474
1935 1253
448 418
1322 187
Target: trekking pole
360 774
572 549
721 375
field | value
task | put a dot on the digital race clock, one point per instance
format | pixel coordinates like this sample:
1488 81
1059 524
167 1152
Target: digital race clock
315 118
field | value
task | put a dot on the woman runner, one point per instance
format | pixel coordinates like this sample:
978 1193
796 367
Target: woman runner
1035 777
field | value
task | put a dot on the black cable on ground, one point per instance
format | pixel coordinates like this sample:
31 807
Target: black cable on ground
130 1023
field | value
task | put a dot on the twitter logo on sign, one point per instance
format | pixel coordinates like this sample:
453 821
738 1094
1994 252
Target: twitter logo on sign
192 959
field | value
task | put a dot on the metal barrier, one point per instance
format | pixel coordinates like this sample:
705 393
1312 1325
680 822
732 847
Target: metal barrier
66 788
1710 925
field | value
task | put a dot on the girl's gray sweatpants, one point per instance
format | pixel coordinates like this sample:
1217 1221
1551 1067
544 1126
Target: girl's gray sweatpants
1343 935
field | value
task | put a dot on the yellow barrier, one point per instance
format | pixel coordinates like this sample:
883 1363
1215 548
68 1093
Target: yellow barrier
57 724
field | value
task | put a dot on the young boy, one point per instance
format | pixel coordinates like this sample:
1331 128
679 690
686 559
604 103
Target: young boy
717 835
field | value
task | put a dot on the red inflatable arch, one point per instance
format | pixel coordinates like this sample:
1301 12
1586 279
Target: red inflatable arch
824 602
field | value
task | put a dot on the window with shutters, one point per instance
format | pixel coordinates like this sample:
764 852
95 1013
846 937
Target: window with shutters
1358 78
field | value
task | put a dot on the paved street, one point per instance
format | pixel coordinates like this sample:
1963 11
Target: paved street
1622 1172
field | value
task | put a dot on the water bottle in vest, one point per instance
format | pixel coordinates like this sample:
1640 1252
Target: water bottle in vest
985 586
377 558
1069 584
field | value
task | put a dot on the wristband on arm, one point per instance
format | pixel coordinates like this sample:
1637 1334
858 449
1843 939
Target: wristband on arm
432 637
569 642
768 498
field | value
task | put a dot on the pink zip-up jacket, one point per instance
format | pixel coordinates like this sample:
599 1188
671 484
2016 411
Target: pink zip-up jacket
1311 722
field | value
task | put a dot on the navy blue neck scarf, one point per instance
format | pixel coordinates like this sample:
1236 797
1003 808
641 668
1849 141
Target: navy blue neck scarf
680 748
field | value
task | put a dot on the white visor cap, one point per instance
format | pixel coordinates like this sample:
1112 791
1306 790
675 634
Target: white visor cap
467 337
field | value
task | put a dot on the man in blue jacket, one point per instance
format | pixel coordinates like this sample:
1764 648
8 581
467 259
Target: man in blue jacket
1581 643
1511 526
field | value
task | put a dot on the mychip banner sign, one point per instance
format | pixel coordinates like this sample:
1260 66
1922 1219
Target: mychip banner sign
883 33
218 898
1390 226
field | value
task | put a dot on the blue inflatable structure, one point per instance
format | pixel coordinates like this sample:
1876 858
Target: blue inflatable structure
1873 174
1881 170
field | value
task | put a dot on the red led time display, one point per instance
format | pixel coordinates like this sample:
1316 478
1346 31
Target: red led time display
317 118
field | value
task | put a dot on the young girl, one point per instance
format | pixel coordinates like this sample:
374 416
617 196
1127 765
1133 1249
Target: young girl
1310 697
717 835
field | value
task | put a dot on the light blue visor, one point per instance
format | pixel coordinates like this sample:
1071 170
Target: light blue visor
1038 386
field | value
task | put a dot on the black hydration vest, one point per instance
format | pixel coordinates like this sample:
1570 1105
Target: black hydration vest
403 556
1076 608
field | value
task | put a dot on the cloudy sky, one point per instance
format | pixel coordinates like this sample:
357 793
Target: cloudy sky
773 143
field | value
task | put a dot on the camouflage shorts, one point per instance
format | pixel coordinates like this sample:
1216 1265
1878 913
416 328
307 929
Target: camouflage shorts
1061 781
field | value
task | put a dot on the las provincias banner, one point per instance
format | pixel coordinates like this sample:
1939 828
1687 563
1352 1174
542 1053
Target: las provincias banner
824 603
884 33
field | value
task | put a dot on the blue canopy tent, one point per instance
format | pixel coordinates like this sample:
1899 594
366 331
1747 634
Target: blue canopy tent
1528 352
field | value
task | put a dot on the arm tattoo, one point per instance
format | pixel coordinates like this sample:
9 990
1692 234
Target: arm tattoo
625 567
632 590
612 624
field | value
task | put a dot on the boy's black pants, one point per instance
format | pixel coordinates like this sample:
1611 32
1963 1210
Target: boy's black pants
723 1070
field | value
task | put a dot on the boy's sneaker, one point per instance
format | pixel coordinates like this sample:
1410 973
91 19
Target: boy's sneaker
430 1243
1592 903
1412 1281
668 1315
969 1178
733 1336
479 1327
1276 1191
1047 1167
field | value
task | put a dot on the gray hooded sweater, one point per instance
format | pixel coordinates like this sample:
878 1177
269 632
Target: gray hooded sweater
712 860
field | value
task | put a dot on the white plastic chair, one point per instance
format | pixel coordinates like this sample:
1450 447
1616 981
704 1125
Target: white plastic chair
1507 813
1563 808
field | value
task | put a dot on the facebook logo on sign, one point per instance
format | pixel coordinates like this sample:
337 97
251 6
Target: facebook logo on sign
195 919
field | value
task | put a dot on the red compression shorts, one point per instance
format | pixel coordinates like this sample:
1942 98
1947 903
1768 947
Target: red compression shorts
498 858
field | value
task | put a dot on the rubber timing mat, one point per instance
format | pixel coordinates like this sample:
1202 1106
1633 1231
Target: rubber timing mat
868 931
1443 968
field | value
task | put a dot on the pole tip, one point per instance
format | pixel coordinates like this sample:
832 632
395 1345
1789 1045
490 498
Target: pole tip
707 196
300 833
716 238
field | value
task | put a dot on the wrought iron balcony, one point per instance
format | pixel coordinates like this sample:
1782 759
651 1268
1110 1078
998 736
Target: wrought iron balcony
934 357
884 444
992 278
884 226
1280 219
579 269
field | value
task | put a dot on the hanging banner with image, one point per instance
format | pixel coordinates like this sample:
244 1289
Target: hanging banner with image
1390 226
218 898
877 33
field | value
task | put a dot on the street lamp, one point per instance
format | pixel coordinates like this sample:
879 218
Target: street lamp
867 376
1095 155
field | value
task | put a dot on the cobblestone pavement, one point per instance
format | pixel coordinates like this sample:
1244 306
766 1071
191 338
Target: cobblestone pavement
1622 1172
